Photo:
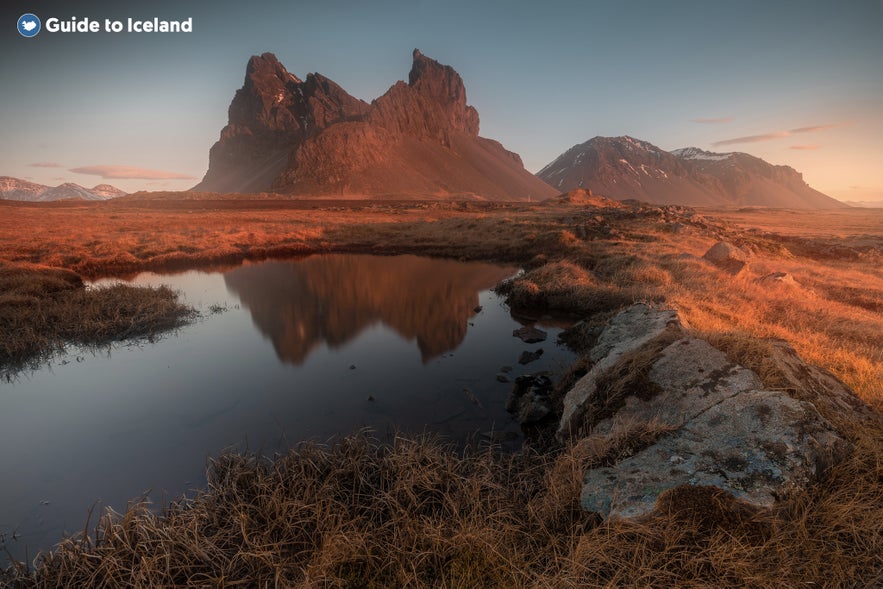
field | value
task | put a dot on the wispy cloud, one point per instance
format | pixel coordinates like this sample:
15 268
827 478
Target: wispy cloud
803 147
752 138
712 120
813 129
129 173
45 165
776 135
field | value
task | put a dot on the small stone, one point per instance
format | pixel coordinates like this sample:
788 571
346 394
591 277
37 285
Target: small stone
502 377
352 366
477 309
527 357
370 397
530 335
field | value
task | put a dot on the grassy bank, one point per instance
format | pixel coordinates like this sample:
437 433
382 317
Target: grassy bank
419 514
42 309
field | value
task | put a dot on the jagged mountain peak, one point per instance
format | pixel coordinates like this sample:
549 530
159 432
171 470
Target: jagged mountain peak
420 139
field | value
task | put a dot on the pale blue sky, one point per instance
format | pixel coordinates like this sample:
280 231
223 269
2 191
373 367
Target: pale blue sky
543 76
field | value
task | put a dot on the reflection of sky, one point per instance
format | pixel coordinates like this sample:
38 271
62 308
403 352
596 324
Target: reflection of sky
543 75
146 417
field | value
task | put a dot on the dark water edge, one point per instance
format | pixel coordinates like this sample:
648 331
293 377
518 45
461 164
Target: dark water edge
284 352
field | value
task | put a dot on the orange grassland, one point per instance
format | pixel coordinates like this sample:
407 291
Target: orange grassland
417 514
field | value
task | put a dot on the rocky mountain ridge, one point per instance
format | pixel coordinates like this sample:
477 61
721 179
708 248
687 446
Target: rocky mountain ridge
628 168
311 138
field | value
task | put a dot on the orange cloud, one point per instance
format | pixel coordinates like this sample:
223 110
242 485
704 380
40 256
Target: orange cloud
813 129
775 135
129 173
753 138
805 146
45 165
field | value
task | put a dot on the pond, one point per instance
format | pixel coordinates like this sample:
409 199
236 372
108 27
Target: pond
284 351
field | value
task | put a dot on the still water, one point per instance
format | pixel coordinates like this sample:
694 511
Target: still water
284 351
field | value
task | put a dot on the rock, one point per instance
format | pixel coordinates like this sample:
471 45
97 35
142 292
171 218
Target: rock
688 377
477 309
530 334
529 399
505 369
775 278
527 357
727 257
502 377
676 227
625 333
533 408
712 422
756 445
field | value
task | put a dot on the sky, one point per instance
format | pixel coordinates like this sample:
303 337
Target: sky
798 83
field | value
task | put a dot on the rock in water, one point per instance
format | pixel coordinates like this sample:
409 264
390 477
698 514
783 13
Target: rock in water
527 357
530 334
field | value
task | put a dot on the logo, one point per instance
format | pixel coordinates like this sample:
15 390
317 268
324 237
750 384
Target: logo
28 25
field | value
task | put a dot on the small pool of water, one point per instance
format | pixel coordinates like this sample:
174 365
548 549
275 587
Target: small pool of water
284 351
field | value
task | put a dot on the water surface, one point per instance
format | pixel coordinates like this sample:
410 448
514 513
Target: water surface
285 351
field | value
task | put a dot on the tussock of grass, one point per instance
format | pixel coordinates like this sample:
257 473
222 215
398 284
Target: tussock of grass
42 309
420 514
562 286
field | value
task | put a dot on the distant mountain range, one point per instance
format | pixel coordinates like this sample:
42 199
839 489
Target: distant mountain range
311 138
628 168
16 189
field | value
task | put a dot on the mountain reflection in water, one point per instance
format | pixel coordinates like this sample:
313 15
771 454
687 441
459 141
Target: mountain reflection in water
330 299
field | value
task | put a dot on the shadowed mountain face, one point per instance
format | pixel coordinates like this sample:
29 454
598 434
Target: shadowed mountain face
331 299
625 167
311 138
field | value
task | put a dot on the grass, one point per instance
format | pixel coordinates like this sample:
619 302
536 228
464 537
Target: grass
417 513
420 514
43 309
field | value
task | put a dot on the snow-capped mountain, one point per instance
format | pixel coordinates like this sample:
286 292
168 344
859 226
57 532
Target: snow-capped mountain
16 189
625 167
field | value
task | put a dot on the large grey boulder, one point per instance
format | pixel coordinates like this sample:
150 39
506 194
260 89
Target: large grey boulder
688 377
717 425
756 445
628 331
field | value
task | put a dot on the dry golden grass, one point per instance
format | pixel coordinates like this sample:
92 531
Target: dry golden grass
42 309
417 514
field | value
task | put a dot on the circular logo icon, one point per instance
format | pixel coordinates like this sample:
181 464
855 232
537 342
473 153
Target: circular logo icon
28 25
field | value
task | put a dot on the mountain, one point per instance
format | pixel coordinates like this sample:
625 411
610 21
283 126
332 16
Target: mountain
750 180
107 191
311 138
16 189
625 167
